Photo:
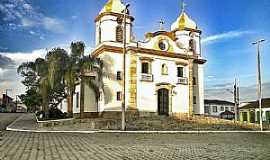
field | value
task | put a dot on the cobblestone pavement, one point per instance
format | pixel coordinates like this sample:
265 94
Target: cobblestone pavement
67 146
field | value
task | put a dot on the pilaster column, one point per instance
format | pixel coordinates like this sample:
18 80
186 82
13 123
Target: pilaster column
82 90
190 85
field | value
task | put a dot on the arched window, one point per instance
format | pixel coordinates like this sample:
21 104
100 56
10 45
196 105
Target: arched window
164 69
192 45
99 35
145 68
119 33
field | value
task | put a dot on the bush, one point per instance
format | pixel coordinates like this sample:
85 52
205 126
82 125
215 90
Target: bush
54 113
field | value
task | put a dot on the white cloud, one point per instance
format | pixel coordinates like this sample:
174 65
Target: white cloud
9 79
74 17
28 17
2 71
226 35
20 57
32 32
53 24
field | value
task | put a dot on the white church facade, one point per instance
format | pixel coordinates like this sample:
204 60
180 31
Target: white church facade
164 72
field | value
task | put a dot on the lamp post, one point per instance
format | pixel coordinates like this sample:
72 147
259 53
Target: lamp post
259 79
124 68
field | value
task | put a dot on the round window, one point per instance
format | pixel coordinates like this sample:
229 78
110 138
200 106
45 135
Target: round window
163 45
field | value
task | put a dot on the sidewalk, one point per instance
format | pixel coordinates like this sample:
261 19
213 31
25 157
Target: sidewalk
24 122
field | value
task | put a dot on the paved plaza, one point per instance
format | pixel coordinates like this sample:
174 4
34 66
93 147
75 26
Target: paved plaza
67 146
114 146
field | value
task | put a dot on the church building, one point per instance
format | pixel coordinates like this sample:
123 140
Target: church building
164 72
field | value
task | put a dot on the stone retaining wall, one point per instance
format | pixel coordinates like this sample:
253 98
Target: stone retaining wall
201 119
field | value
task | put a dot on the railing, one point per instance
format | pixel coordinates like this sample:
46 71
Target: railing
182 80
147 77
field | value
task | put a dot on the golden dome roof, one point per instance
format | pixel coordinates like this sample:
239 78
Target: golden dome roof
115 6
184 21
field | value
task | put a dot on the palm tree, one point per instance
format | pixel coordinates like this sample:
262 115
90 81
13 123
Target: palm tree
59 68
40 69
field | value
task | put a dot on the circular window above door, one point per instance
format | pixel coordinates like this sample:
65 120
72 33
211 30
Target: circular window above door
163 45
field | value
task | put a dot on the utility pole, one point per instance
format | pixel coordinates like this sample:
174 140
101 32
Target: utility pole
259 79
16 102
236 94
124 68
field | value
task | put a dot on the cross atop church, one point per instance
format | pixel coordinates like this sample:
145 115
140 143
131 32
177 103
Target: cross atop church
161 24
183 5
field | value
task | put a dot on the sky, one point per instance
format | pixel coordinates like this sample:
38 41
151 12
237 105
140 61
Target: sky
29 27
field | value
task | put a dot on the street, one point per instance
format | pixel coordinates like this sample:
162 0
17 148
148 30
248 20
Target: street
64 146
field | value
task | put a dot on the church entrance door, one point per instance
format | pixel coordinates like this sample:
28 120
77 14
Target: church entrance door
163 102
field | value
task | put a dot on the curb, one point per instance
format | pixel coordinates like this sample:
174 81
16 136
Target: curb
134 132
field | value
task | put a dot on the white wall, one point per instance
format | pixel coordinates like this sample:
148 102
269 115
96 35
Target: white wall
212 113
108 25
147 91
76 109
264 110
90 104
113 62
198 89
63 106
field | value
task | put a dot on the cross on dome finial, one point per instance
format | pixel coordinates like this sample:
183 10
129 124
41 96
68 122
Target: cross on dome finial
161 24
183 5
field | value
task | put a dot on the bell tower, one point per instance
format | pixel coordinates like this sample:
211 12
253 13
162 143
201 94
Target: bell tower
110 23
187 32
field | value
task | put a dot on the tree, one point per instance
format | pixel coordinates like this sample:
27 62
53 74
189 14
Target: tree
54 78
40 83
31 99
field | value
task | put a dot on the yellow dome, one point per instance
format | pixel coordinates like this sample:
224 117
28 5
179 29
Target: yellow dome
115 6
186 22
183 22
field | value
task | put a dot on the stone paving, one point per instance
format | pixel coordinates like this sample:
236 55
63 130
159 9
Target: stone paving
68 146
117 146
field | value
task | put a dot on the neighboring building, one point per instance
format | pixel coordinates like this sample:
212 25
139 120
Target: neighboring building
11 107
219 108
164 73
63 106
249 112
6 104
21 108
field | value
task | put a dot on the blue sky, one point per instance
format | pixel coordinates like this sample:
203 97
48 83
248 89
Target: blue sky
27 27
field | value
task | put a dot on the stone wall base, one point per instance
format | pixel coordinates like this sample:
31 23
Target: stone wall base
130 114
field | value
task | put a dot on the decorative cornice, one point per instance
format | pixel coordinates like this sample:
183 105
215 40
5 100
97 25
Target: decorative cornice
171 35
200 61
113 14
185 63
188 29
146 59
119 50
107 48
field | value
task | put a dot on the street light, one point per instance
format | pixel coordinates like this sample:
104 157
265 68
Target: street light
125 11
259 79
